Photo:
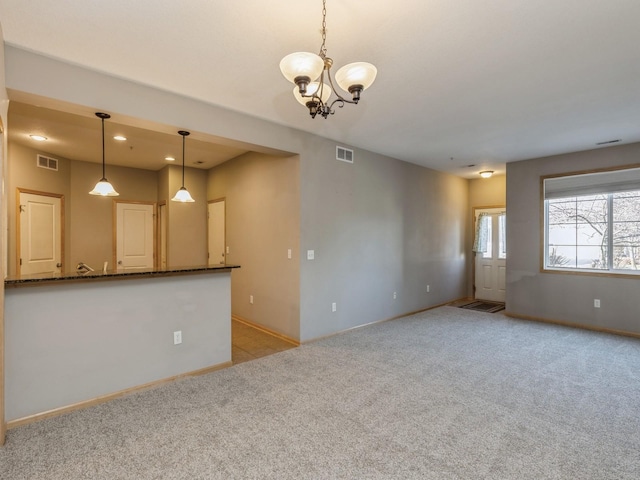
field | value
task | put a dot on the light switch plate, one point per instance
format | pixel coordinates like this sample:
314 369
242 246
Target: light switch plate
311 254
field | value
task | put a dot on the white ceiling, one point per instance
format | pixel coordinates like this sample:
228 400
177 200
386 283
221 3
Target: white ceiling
482 82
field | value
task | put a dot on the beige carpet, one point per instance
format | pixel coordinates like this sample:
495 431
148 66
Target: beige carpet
447 394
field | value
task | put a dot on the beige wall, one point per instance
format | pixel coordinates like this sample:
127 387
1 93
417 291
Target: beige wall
23 173
187 222
262 222
88 226
488 192
92 217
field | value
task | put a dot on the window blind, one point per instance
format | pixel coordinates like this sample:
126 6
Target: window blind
592 183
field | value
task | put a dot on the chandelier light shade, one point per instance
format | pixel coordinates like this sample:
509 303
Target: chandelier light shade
103 187
311 74
311 90
183 194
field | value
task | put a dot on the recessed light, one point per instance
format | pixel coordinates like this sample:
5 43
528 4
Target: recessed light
120 138
38 138
170 159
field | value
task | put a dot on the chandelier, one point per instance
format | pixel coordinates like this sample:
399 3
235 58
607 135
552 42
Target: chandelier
310 73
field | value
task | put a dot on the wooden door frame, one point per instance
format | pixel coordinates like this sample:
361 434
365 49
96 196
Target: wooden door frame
473 234
114 243
217 200
157 232
20 191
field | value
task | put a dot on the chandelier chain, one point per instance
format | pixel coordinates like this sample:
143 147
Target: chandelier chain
323 48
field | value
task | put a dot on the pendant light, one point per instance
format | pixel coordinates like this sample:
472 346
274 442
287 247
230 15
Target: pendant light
103 187
183 194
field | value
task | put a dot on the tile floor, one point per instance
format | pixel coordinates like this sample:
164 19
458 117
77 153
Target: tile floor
248 343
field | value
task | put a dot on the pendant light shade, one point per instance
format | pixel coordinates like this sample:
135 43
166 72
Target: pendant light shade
183 194
103 188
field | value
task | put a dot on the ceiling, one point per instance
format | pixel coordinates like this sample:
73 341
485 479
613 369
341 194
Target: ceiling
459 83
79 137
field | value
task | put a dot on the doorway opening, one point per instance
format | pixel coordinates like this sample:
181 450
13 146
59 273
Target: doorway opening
249 342
490 250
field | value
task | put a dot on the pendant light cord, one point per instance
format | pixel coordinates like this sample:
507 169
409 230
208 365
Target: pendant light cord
184 133
183 136
103 170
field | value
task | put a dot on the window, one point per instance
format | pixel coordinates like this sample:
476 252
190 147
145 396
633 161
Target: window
592 222
484 238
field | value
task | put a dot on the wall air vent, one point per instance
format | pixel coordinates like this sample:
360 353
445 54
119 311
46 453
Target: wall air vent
46 162
344 154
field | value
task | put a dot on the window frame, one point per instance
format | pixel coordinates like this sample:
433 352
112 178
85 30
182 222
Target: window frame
544 230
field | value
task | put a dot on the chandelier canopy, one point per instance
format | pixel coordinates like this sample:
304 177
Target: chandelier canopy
311 74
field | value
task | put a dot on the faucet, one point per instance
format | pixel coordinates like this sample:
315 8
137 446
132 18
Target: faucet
82 268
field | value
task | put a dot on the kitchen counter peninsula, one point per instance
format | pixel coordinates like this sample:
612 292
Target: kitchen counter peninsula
27 280
76 340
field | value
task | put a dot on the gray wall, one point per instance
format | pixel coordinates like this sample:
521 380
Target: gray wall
74 342
378 226
567 297
262 222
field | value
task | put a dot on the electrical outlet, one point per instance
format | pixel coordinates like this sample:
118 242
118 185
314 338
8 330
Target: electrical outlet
251 299
395 295
596 303
177 337
334 306
428 288
227 249
289 254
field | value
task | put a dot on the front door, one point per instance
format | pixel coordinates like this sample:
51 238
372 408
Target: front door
216 232
491 264
134 236
39 233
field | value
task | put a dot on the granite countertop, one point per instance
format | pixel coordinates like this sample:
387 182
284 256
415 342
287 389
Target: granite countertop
26 280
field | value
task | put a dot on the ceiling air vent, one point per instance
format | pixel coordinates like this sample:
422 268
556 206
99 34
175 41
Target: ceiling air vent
48 163
344 154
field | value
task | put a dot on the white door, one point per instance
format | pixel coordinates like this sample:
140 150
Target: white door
216 232
40 234
491 265
134 236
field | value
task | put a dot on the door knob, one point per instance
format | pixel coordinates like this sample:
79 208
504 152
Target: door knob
58 265
119 262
